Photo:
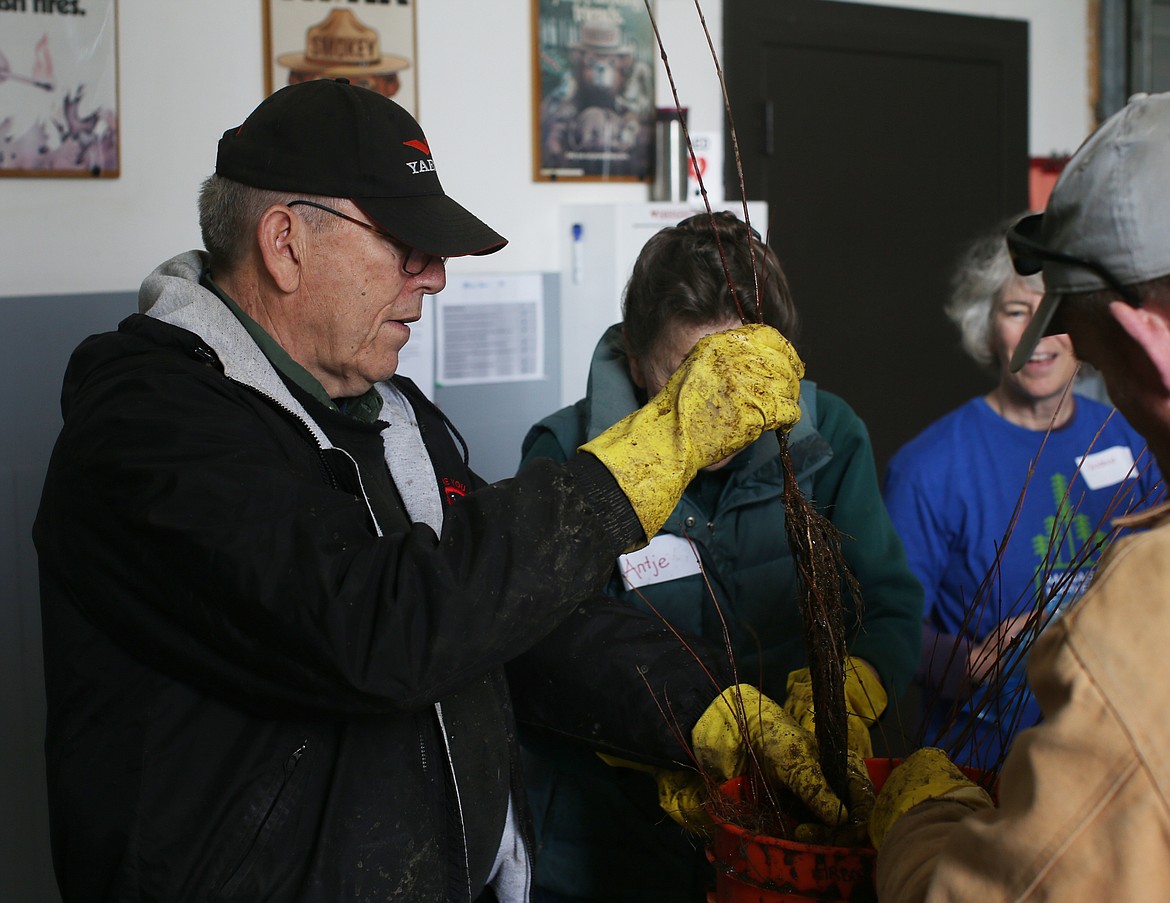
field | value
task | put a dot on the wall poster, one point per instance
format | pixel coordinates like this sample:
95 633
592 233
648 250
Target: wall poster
59 88
593 81
371 43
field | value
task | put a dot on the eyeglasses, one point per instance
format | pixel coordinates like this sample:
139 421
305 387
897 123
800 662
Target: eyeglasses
414 261
1028 257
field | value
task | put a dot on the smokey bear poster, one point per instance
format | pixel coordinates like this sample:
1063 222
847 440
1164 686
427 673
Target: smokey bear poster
59 88
594 85
372 44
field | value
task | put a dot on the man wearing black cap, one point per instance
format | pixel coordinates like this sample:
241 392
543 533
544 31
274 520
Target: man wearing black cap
1084 798
277 602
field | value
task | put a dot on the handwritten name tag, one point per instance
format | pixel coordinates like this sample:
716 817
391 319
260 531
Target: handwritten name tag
666 557
1107 468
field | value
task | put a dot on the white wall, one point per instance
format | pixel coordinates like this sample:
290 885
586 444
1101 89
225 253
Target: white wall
190 70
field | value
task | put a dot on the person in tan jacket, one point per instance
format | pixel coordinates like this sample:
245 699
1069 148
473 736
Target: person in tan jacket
1083 809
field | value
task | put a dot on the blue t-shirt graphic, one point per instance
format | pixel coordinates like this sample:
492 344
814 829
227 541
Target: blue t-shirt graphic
953 492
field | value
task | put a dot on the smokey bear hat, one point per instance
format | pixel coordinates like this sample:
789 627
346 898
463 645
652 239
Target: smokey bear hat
328 137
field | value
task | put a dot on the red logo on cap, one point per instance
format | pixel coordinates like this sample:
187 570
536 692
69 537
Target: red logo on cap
418 145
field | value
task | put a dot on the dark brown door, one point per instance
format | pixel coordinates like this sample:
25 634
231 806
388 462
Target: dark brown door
882 140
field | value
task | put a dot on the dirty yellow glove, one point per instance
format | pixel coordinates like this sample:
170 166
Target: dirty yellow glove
854 832
865 700
682 795
927 774
731 387
787 752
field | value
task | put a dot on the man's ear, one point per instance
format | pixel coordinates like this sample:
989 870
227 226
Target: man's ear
1149 328
278 234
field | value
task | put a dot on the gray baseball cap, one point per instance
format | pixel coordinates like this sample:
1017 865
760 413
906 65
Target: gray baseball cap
1107 223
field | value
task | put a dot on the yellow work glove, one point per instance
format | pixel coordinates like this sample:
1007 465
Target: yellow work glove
927 774
682 795
731 387
865 700
787 753
854 832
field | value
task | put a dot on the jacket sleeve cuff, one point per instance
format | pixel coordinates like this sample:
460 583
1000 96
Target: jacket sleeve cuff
617 515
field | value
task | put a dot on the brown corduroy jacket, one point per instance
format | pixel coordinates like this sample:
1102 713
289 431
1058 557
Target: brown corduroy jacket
1084 797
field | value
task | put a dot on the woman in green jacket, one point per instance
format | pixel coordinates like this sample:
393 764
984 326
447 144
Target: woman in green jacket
601 835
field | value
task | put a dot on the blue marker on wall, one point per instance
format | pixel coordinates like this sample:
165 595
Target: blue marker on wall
578 253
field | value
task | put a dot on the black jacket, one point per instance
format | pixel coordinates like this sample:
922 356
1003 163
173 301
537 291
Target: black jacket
255 696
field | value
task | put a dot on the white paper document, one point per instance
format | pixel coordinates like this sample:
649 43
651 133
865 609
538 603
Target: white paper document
490 329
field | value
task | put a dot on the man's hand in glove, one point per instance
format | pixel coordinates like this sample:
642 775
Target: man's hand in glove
927 774
865 700
682 795
733 386
787 752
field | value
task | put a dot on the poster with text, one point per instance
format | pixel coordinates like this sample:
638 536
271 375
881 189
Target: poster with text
372 44
59 88
594 84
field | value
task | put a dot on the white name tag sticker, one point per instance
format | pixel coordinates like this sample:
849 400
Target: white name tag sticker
666 557
1108 467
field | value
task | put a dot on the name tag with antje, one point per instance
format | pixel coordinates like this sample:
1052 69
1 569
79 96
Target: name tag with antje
1107 468
666 557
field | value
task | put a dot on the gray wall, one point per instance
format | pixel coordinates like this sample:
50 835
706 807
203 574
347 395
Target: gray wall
38 336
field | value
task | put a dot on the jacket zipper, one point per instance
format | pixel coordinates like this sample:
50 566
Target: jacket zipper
438 706
458 798
295 758
320 450
243 870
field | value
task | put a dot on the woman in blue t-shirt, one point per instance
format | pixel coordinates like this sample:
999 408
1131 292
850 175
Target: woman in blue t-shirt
1004 505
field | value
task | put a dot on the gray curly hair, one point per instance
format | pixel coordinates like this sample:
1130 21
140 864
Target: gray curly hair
983 271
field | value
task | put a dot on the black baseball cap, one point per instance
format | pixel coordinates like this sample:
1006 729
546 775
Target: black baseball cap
328 137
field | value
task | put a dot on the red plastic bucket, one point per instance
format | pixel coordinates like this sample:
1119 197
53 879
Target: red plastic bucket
755 868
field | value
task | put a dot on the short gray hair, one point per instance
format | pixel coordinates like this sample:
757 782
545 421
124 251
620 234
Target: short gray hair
229 212
983 271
